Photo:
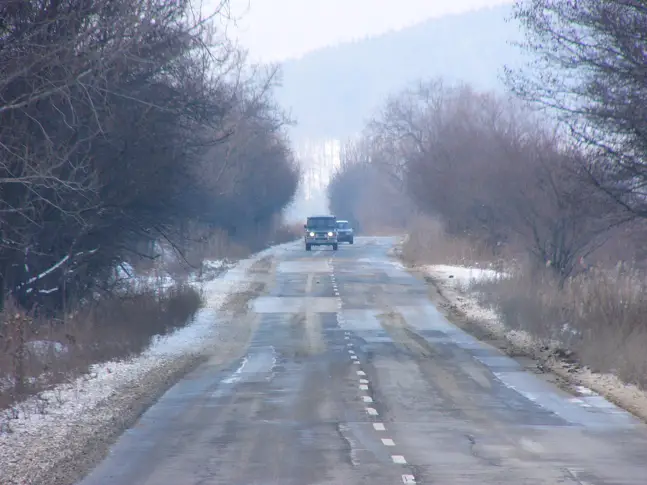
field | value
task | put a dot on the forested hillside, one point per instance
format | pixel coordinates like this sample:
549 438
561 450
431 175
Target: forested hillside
333 90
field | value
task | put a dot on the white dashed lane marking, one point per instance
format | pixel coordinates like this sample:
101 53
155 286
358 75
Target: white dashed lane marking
363 386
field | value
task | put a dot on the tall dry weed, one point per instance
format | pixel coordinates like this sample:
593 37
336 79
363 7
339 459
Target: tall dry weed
600 315
38 353
428 243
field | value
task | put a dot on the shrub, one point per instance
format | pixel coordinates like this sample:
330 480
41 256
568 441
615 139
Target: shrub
37 354
599 315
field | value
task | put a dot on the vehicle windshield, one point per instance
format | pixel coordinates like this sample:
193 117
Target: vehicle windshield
321 223
343 225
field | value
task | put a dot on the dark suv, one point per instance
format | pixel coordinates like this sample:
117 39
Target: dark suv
321 231
344 232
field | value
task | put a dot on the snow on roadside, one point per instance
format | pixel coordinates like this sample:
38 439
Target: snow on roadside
160 278
67 400
456 282
462 277
45 420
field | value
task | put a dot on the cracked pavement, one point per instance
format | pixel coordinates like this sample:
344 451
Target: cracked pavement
352 376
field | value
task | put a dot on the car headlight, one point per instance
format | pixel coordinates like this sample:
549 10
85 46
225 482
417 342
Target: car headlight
330 234
312 234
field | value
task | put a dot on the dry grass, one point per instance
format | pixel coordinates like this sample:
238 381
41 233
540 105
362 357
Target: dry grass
287 233
601 316
427 243
36 354
380 230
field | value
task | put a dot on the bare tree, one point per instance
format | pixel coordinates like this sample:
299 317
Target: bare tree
494 172
549 205
588 68
110 112
364 191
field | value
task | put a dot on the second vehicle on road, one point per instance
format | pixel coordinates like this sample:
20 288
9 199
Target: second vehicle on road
345 232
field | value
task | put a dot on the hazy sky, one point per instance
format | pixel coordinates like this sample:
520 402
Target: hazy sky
277 29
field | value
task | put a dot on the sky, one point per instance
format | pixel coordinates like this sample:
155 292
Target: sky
274 30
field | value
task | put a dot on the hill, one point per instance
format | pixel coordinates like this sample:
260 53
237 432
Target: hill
332 91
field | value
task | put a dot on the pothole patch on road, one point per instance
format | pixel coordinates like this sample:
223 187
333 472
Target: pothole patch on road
263 265
403 336
238 303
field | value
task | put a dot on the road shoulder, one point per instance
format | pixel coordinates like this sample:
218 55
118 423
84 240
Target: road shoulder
465 313
61 448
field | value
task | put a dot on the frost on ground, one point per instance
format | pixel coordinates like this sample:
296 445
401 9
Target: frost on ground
461 277
456 284
59 427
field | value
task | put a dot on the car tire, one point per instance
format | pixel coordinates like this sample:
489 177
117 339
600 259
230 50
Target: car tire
334 247
350 241
308 247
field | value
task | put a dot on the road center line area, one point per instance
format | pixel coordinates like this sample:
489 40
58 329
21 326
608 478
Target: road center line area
353 377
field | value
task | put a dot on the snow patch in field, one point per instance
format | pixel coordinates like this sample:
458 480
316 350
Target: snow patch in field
462 277
159 278
455 281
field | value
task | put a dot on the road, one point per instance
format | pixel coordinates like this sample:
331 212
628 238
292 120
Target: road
354 377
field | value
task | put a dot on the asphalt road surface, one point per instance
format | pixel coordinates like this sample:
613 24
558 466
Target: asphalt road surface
353 377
